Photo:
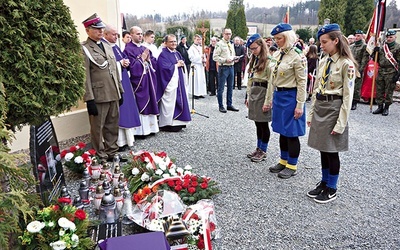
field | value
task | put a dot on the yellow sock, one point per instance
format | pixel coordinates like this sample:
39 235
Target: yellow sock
292 167
283 162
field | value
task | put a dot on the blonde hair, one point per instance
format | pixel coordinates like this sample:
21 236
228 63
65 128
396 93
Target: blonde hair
290 39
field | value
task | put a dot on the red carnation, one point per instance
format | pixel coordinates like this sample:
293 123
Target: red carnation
171 183
63 153
212 226
204 185
195 183
186 177
178 182
200 243
55 149
191 190
185 184
178 188
194 178
85 157
81 145
80 214
72 149
92 151
56 207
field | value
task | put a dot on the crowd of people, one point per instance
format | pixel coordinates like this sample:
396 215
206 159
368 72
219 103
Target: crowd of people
143 89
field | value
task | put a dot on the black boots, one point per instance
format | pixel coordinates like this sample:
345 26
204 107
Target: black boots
382 110
385 111
354 105
379 110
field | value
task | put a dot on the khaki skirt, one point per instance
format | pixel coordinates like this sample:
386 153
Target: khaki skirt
322 123
256 101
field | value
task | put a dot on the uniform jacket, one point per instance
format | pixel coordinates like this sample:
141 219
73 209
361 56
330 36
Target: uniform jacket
358 50
384 64
224 50
102 85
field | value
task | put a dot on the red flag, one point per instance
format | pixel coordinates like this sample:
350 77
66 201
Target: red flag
286 17
376 25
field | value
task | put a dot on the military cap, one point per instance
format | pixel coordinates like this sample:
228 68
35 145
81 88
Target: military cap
390 33
252 39
281 28
358 32
94 21
328 28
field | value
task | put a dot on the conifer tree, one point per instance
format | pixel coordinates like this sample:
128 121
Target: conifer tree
41 62
358 15
236 19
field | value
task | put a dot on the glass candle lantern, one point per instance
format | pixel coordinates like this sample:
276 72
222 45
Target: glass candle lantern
98 196
108 209
84 192
117 173
86 176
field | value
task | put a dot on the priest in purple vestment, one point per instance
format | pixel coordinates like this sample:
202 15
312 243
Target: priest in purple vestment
172 88
143 78
128 111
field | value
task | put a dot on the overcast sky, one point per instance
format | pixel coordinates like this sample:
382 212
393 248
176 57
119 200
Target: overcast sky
168 7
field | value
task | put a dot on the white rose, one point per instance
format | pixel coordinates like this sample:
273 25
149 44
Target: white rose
64 223
188 167
149 166
35 226
166 175
72 226
69 156
187 173
179 170
145 177
159 172
78 160
162 166
75 240
172 172
58 245
135 171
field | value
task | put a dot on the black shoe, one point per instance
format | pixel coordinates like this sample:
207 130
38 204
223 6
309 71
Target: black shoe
354 105
277 168
239 88
123 148
222 110
379 110
196 97
212 94
169 128
201 96
317 190
327 195
385 112
231 108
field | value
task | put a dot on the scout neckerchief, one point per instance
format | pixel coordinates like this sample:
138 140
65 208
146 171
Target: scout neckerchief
325 75
253 67
389 56
283 52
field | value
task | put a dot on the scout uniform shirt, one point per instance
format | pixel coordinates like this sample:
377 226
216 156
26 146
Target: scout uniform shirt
340 82
291 73
224 50
263 76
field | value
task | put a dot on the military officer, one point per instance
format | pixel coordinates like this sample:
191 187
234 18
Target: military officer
103 89
358 49
388 58
288 87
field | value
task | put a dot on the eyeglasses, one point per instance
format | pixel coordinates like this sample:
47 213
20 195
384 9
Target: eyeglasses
228 33
254 48
172 41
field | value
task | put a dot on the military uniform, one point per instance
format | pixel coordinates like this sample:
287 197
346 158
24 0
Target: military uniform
385 82
103 86
358 49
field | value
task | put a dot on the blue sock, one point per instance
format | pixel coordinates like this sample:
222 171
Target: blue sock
292 161
259 143
263 146
332 181
325 175
284 155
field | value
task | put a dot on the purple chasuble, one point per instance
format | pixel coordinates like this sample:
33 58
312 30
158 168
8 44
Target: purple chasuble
128 111
165 69
143 79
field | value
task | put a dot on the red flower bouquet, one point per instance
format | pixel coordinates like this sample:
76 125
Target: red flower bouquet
77 158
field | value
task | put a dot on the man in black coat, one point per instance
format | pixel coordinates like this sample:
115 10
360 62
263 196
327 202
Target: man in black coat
239 51
183 49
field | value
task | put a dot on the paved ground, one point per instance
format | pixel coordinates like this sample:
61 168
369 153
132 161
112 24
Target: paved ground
257 210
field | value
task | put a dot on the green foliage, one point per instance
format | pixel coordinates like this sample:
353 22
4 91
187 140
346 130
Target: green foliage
304 34
358 15
236 19
42 67
184 31
205 24
334 10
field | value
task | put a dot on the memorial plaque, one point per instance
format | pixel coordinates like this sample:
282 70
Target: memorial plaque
46 161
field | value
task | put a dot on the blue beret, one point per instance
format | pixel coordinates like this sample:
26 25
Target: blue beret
252 39
390 33
281 28
358 32
328 28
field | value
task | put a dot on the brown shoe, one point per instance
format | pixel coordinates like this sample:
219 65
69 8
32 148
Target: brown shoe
252 154
260 156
